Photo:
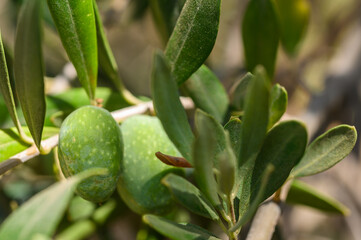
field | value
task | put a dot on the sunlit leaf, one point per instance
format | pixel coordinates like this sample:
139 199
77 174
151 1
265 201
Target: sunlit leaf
78 230
327 150
301 193
11 144
177 231
260 34
207 92
189 196
75 22
169 108
42 213
29 76
193 37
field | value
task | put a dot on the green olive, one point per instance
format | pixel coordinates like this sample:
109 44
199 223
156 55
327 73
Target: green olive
90 137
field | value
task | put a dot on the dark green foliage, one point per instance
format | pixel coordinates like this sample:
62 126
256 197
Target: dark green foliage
260 34
29 76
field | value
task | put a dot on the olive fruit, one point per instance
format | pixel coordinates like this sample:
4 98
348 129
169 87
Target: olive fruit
139 183
90 137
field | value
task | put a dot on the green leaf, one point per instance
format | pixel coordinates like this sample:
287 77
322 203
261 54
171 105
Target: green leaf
75 22
294 17
207 92
28 69
78 230
42 213
80 208
169 108
283 148
5 87
193 37
327 150
301 193
217 131
254 127
189 196
177 231
278 104
260 35
257 200
239 90
227 168
11 144
107 61
234 127
204 152
165 14
102 213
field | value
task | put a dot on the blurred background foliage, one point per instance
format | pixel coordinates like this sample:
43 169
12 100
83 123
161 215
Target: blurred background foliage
322 79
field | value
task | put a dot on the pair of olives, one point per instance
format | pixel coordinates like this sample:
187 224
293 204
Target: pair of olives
90 137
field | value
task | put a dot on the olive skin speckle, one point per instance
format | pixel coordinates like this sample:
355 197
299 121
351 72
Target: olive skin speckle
83 146
139 183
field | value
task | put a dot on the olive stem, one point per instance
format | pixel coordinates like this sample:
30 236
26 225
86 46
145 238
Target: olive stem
50 143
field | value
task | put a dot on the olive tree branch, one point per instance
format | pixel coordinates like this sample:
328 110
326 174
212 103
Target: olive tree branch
50 143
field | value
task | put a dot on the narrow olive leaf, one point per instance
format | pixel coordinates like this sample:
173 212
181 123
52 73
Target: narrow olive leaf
189 196
28 69
169 108
278 104
301 193
234 127
75 22
204 152
217 131
102 213
327 150
79 209
11 143
227 168
177 231
239 90
256 202
207 93
43 212
78 230
254 127
260 34
293 18
283 147
6 89
107 61
165 14
193 37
